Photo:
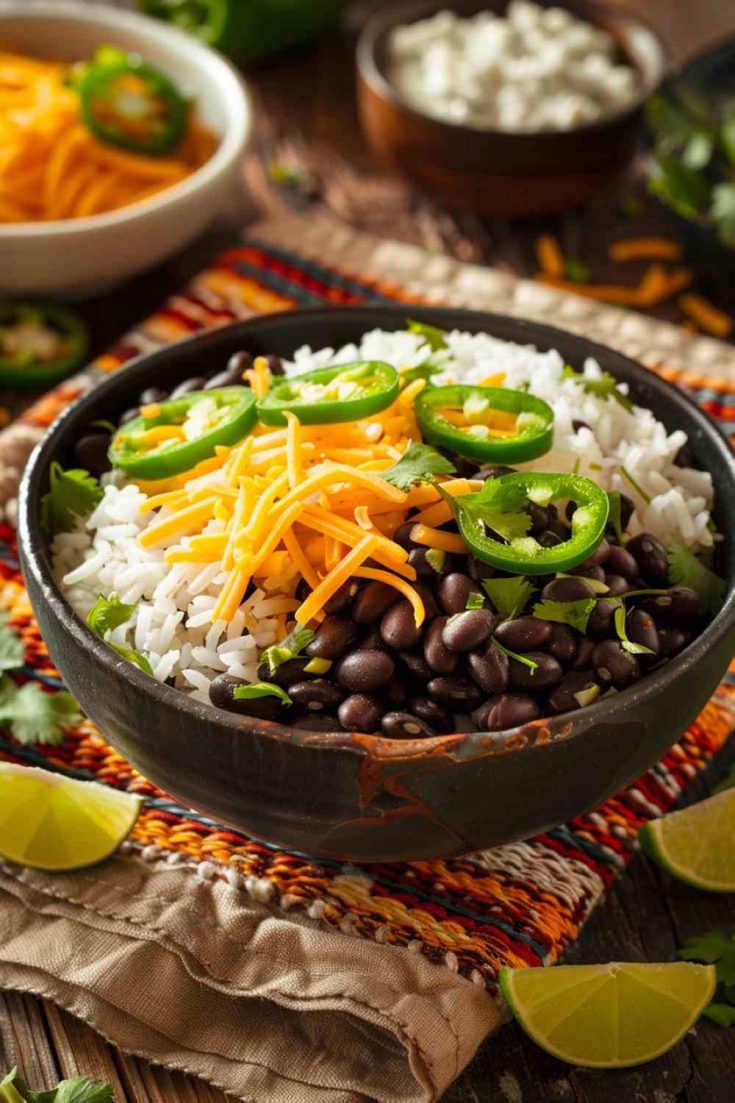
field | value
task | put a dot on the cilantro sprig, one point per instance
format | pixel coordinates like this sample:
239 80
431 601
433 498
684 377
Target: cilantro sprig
501 506
622 631
109 613
435 337
72 495
508 595
290 648
261 689
604 387
33 715
78 1089
574 613
685 569
12 648
716 948
420 463
523 659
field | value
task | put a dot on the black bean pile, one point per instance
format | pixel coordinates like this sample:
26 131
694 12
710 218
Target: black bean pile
386 675
389 676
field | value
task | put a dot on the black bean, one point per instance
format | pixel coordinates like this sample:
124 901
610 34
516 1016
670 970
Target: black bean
416 666
493 471
372 602
129 415
570 510
238 363
641 628
365 671
224 379
341 599
559 529
650 555
285 675
477 570
672 641
577 425
417 559
562 644
404 725
523 633
466 631
360 712
598 557
547 672
426 593
627 509
431 713
510 710
398 627
373 641
616 585
454 589
333 637
551 539
595 573
317 696
222 695
601 621
540 518
567 589
196 383
620 561
454 694
394 694
275 364
437 654
402 535
151 395
683 457
563 698
677 609
614 665
583 658
91 452
489 668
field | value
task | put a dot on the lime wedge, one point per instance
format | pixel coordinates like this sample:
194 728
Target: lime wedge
56 823
608 1016
697 844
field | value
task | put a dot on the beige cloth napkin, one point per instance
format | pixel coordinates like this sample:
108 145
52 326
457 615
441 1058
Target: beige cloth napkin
174 962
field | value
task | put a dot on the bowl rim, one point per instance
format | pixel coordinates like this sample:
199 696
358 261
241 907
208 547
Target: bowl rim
389 16
236 133
552 729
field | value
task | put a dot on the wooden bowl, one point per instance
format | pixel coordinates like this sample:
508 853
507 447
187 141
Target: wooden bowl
349 795
514 175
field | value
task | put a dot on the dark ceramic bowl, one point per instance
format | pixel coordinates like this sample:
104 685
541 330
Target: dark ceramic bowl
363 797
515 175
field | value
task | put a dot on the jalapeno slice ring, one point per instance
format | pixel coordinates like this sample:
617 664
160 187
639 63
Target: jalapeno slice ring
40 343
158 446
503 499
130 104
345 392
501 425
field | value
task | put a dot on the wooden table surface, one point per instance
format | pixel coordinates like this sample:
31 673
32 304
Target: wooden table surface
307 123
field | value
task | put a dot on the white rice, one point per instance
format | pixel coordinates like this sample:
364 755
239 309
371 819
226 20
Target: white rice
172 623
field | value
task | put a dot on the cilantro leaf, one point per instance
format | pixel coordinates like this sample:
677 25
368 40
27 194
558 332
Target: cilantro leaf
418 464
680 186
604 387
78 1089
261 689
721 1013
501 506
625 643
474 601
576 271
108 613
574 613
132 656
12 648
615 515
292 646
524 659
713 947
426 371
435 337
33 715
71 494
685 569
508 595
436 558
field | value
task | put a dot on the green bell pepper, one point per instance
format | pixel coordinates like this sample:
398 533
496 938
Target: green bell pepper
532 435
142 450
346 392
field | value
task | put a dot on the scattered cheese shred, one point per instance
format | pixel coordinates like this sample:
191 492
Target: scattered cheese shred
549 255
317 599
645 248
706 315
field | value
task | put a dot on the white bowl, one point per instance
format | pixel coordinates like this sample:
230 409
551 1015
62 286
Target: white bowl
84 255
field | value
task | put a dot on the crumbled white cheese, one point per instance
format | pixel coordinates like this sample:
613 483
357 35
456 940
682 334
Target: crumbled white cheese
535 69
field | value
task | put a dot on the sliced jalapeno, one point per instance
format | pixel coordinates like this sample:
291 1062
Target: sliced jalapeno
39 344
346 392
175 436
494 523
128 103
488 424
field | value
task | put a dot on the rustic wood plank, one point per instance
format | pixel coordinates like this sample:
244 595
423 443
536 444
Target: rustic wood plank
80 1050
24 1040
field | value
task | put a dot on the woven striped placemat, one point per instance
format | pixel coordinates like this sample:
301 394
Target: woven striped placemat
523 903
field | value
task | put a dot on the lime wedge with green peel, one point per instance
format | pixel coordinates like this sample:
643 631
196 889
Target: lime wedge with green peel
56 823
697 844
608 1016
